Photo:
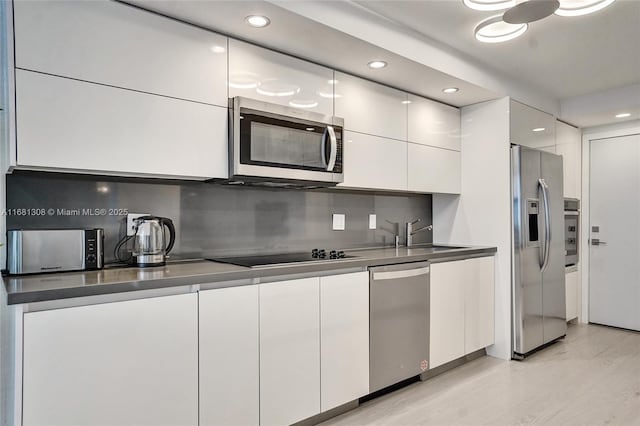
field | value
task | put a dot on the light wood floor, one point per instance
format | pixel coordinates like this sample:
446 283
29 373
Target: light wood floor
592 377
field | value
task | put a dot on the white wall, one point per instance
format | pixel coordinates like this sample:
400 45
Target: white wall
589 134
482 214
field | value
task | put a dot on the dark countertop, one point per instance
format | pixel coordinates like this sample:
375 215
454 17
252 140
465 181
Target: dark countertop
47 287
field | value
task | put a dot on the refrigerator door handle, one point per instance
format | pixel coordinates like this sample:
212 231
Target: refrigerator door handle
547 224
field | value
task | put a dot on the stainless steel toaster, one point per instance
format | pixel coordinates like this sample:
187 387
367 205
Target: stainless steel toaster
32 251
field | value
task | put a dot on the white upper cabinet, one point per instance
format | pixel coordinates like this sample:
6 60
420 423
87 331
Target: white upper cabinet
115 44
269 76
568 144
73 125
432 169
373 162
433 123
371 108
531 127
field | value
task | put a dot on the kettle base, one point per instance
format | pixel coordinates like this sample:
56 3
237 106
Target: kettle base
148 260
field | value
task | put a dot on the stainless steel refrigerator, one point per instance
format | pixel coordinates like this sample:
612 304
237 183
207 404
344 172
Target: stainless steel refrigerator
538 286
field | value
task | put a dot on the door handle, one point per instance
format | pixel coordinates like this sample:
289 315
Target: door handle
597 242
334 149
547 225
407 273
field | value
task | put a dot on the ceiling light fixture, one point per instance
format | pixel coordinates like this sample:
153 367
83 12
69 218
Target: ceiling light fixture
495 30
623 115
377 64
489 4
530 11
581 7
450 90
257 21
538 129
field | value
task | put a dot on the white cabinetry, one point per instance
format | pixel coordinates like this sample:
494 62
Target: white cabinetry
123 363
461 308
432 169
374 162
263 74
571 294
344 337
432 123
531 127
371 108
115 44
289 351
229 358
72 125
568 144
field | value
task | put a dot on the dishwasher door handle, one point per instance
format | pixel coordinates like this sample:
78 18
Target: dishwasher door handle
393 275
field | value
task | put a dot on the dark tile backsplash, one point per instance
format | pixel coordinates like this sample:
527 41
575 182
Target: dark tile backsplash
212 219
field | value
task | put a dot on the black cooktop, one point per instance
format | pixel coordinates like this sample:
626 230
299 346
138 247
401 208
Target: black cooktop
315 255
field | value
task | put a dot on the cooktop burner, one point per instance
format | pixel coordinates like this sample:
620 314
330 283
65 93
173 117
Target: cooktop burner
275 259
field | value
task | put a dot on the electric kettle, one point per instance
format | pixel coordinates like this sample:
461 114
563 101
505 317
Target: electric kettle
149 246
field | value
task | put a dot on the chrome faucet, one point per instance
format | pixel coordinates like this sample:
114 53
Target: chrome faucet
411 232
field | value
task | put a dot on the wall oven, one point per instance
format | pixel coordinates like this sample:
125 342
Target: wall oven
281 145
571 230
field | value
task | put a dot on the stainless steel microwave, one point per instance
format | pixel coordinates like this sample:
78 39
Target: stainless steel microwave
282 145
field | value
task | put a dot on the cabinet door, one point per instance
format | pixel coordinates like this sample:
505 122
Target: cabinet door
371 108
112 43
433 169
374 162
569 146
447 321
531 127
571 289
433 123
289 351
344 338
90 127
479 304
229 359
263 74
122 363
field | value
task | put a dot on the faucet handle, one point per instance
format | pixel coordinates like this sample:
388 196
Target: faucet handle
415 221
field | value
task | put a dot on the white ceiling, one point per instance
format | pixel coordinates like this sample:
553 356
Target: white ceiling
430 45
565 56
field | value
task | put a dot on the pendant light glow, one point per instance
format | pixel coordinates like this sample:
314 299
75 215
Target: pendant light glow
489 4
495 30
581 7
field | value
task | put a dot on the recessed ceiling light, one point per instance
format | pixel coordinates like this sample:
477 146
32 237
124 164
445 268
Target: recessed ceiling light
581 7
623 115
495 30
406 102
310 129
450 90
489 4
218 49
257 21
377 64
538 129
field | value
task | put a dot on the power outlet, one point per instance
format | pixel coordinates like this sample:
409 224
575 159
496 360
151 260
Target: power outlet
131 227
372 221
338 222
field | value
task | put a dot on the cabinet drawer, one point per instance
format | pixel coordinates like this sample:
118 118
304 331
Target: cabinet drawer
112 43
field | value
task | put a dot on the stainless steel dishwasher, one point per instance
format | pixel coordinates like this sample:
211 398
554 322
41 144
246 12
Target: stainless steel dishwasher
399 323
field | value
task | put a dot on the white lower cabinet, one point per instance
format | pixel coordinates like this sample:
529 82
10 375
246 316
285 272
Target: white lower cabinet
374 162
433 169
65 124
344 337
461 308
571 293
121 363
289 351
229 356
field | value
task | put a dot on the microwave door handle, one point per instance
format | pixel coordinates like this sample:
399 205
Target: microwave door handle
334 149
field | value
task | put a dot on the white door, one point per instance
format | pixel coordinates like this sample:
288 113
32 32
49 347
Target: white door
614 276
